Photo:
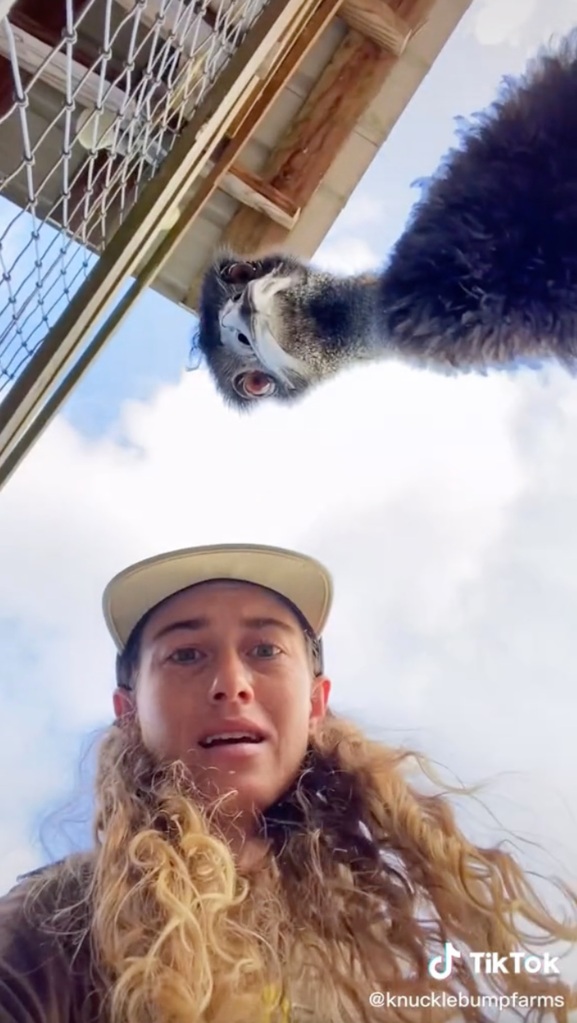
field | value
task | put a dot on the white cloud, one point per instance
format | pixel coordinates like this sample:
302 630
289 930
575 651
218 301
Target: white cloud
445 508
497 23
364 210
523 25
347 254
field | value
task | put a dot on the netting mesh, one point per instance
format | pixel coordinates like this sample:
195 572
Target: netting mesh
89 121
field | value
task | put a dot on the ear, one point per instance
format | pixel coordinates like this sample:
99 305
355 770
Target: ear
319 699
124 704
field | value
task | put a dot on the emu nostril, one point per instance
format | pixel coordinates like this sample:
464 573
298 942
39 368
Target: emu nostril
243 339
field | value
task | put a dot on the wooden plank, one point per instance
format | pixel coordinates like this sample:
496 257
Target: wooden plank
375 20
36 47
151 10
47 19
53 38
416 12
174 19
255 193
86 85
348 85
170 18
278 78
173 15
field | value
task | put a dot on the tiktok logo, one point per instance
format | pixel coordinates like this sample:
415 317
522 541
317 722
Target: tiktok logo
441 966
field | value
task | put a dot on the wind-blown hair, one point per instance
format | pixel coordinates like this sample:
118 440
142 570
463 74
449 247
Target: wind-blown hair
365 879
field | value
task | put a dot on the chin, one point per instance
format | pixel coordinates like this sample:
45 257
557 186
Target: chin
237 795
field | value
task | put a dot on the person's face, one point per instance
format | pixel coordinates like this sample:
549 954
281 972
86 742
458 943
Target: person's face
210 657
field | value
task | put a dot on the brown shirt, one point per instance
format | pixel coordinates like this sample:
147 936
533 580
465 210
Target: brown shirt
44 978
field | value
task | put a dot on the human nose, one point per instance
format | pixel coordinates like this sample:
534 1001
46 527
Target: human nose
232 680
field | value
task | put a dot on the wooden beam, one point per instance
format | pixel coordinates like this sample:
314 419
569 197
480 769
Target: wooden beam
170 19
375 20
255 193
416 12
86 84
175 20
46 18
277 80
349 84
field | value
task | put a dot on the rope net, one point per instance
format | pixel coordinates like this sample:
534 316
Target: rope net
89 119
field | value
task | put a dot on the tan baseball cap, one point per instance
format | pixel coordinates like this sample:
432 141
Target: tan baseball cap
136 590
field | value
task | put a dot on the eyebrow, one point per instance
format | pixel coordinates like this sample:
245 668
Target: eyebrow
196 624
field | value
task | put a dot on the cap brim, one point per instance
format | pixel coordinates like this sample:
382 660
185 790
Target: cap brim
136 590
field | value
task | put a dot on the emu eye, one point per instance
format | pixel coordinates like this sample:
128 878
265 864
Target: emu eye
254 385
240 273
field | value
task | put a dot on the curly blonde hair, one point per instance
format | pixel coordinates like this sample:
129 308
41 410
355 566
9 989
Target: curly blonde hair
364 880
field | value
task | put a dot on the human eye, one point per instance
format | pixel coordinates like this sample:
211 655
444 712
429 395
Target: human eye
266 651
185 655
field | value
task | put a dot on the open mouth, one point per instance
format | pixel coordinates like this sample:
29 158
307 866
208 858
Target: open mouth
231 739
254 384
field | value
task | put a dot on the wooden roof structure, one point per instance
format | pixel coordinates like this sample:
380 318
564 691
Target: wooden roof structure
150 132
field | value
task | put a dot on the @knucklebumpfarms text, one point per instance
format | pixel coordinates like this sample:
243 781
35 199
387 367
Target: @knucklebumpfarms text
488 964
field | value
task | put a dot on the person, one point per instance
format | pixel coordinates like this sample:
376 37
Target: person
255 856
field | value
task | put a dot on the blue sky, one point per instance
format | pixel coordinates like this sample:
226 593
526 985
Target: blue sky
452 543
